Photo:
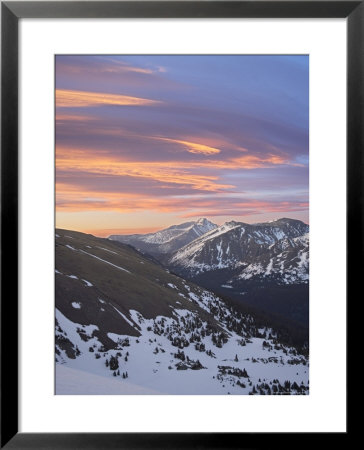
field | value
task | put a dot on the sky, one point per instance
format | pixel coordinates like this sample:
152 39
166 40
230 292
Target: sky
145 142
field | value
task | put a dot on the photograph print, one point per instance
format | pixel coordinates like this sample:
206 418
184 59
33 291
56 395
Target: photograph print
182 224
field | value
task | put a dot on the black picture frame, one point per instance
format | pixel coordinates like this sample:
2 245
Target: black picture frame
11 12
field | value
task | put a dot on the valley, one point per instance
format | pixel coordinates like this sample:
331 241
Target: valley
264 265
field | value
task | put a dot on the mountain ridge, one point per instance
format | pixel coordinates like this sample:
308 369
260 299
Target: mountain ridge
237 244
167 240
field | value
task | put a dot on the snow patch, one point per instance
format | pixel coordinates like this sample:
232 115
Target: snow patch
125 318
107 262
107 250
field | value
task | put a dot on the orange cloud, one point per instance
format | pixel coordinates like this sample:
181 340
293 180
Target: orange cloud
73 118
192 147
70 198
81 160
251 162
125 68
80 99
195 176
118 66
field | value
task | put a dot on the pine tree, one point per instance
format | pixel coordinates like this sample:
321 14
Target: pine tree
114 363
236 358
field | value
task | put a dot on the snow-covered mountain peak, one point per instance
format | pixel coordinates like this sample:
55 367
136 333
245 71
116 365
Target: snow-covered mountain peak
232 224
169 239
203 226
203 222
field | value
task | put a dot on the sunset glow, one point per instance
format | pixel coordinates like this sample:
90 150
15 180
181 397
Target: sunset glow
145 142
81 99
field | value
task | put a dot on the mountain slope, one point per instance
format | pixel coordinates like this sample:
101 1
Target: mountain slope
286 262
264 265
168 240
123 317
275 250
99 281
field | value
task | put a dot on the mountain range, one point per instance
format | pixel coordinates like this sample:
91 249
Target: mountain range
264 265
275 250
126 324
